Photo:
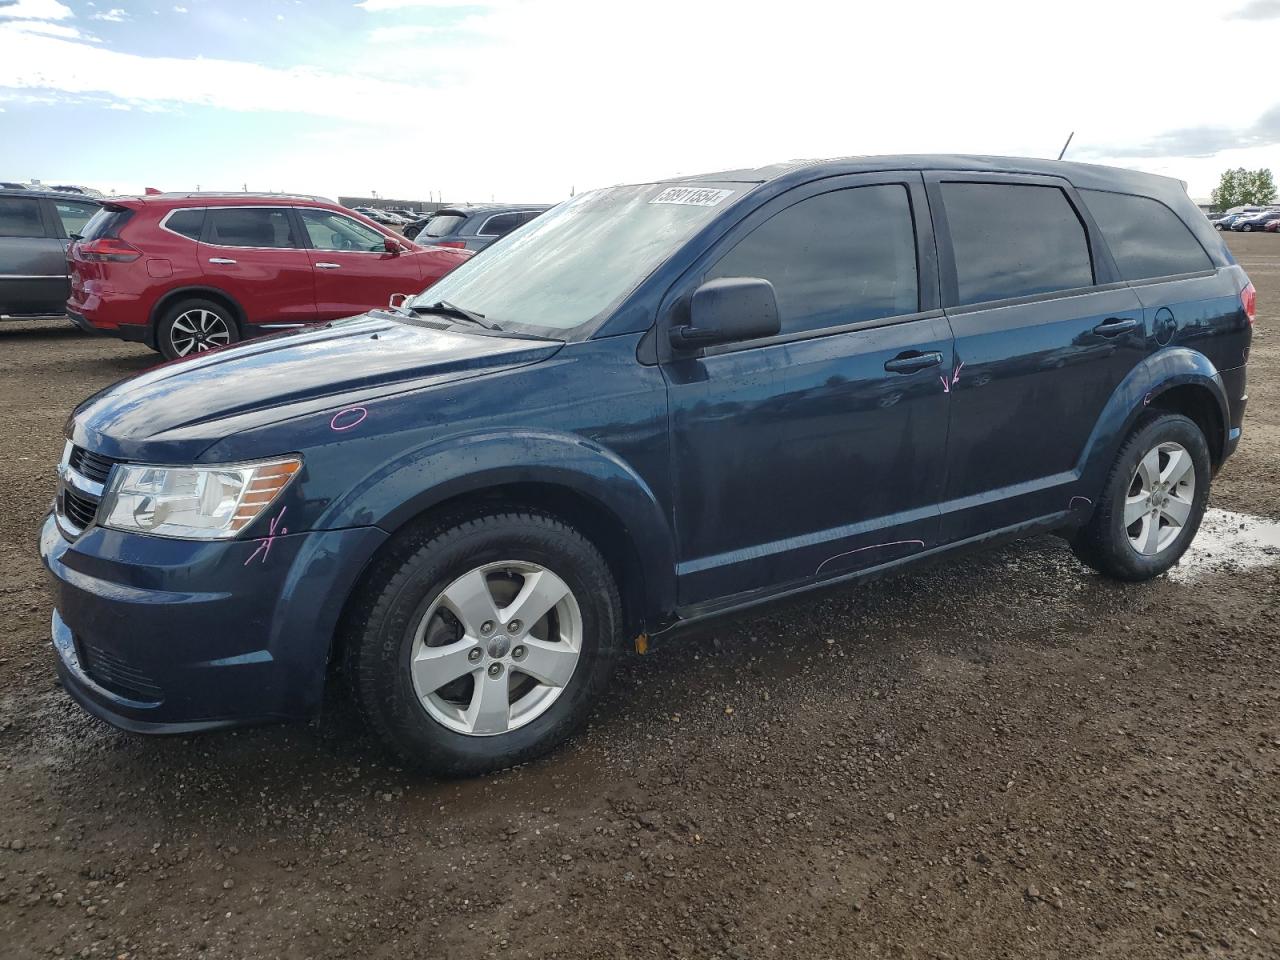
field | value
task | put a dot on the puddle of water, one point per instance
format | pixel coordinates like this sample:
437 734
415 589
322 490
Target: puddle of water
1229 541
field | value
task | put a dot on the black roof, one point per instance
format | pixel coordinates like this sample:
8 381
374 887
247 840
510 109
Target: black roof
1080 174
51 194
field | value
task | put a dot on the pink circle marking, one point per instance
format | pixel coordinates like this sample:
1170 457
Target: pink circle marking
348 419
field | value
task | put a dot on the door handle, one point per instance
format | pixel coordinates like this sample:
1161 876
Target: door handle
220 260
911 362
1113 325
328 266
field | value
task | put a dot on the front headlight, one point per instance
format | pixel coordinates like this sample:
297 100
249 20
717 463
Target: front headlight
193 503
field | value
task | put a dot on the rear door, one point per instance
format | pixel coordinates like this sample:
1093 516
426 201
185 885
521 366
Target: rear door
1044 332
255 255
819 451
353 270
33 262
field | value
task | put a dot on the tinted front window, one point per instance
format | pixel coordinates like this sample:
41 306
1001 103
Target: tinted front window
1014 240
1146 238
332 231
20 218
500 225
442 225
186 222
836 258
564 270
250 227
74 214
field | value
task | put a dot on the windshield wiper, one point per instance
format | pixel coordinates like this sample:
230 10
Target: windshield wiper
447 309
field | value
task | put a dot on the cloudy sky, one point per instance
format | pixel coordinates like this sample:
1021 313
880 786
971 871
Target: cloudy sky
526 99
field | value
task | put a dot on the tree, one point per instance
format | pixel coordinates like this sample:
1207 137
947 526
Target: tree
1241 187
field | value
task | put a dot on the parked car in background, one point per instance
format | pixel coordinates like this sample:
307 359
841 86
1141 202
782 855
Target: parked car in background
1257 221
35 228
671 401
186 272
12 185
472 227
1272 227
378 215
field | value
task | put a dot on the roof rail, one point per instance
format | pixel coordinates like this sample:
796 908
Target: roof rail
242 193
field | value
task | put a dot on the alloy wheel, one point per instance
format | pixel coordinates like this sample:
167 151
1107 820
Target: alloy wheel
198 330
497 648
1160 498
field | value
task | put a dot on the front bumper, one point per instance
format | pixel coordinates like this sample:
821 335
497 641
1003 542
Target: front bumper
174 636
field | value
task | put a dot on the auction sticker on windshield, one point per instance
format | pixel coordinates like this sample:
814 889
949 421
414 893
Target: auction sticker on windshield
692 196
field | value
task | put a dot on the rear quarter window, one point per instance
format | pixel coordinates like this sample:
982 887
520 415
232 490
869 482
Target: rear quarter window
442 225
188 223
1146 238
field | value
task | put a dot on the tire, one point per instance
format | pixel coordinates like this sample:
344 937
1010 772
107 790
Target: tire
195 326
419 619
1139 551
1246 229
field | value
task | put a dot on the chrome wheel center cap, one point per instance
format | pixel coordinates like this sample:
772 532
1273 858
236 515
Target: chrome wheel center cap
499 646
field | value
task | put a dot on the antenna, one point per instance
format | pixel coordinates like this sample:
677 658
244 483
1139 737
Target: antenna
1067 144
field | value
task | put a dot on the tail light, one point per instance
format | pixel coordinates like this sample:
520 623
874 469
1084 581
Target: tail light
108 249
458 244
1249 300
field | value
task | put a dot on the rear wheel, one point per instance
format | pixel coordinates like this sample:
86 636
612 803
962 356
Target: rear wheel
195 326
1152 503
484 642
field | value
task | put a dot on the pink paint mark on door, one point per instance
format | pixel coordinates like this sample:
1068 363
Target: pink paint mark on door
348 419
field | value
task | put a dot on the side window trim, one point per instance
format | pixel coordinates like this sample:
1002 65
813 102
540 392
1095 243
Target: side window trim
208 226
1105 273
675 299
483 231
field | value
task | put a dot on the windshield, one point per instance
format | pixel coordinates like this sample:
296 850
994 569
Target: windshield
559 272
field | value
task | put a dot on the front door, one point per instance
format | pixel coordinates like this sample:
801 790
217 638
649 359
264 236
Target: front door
354 271
1044 335
819 451
256 256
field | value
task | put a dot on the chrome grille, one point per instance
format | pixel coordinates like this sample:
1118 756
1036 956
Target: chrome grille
82 476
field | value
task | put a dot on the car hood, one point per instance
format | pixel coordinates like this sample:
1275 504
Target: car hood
178 409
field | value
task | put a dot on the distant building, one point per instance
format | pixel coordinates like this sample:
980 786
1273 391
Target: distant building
384 203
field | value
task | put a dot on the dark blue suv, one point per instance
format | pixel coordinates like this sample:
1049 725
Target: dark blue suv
649 406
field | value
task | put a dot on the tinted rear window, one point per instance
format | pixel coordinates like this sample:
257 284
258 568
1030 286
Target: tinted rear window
106 223
442 225
20 217
1146 238
1014 240
250 227
501 224
186 222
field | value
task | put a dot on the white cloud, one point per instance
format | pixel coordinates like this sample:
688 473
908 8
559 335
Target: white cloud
35 10
61 30
114 15
179 9
401 34
377 6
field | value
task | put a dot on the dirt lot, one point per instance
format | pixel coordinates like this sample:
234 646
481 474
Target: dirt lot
1005 757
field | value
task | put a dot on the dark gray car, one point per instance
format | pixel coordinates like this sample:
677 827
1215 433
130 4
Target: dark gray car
472 227
35 228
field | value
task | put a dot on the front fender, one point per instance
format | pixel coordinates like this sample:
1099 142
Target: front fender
395 493
1157 374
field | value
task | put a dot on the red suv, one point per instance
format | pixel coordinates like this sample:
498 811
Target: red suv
184 273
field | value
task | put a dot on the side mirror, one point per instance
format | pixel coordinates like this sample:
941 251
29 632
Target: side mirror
728 310
393 247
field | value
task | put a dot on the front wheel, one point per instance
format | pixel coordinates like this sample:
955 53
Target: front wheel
1246 229
482 643
195 326
1152 503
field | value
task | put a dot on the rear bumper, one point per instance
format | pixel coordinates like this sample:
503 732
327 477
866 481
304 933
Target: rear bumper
170 636
1235 384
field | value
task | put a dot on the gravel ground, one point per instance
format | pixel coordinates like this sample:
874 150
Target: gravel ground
1002 757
